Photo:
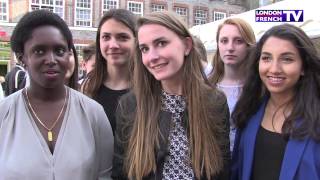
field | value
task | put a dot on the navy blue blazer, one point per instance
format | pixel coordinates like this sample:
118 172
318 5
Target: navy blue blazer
301 159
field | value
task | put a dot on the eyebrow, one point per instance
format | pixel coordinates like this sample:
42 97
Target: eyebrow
282 54
154 41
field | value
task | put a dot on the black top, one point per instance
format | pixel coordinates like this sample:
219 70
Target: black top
125 120
109 99
268 155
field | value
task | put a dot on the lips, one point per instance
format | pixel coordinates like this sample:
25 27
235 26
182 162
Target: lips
230 56
275 80
51 73
158 66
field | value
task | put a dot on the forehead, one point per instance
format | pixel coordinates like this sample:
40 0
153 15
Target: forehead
150 32
282 46
113 26
229 30
46 35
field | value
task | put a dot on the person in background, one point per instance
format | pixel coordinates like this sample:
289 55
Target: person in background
110 78
89 59
48 130
15 79
71 78
172 125
234 39
89 56
207 67
278 112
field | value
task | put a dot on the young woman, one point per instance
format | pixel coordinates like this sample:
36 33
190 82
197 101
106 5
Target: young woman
234 39
173 125
48 130
278 112
110 78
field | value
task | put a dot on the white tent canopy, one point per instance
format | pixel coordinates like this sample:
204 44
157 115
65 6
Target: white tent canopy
311 23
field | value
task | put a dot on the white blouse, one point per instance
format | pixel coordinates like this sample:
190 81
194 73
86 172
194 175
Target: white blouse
83 151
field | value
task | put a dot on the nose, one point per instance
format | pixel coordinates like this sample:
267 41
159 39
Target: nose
275 67
151 56
50 58
230 46
113 43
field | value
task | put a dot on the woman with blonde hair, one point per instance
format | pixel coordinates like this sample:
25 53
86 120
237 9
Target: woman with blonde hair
172 125
234 39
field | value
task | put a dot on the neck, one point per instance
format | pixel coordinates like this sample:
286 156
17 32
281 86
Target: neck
118 78
46 94
172 87
277 100
232 75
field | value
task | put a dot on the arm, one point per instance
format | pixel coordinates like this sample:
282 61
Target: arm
104 145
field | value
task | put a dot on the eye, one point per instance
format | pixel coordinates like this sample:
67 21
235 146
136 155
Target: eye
239 41
60 51
38 51
144 49
123 37
105 37
265 58
161 43
287 59
223 41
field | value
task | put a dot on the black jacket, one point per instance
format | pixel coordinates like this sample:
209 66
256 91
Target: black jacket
125 115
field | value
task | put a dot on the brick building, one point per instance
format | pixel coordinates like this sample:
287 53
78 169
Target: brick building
83 16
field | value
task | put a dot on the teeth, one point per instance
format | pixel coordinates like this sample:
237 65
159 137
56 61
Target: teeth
158 66
276 79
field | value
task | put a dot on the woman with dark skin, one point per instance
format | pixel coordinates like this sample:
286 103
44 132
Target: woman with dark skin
48 130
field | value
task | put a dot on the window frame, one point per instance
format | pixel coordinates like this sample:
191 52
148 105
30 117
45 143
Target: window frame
76 20
202 19
155 7
105 5
135 2
215 13
54 6
6 2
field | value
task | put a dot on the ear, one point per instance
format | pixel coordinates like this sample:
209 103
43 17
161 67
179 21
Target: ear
189 44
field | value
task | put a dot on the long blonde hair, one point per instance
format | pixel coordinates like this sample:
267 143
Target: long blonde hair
205 153
248 36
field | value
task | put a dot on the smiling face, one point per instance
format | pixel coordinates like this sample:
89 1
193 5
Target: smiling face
280 66
116 43
232 47
163 52
46 56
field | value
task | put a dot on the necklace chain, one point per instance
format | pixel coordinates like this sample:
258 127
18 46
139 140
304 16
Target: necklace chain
50 134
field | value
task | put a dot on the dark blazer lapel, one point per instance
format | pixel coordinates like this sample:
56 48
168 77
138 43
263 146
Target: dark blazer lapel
292 158
249 138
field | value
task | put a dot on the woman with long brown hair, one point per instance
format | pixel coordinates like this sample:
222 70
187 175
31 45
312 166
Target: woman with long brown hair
173 125
110 78
234 37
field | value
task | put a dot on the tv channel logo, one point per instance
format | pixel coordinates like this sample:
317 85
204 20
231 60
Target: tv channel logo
279 15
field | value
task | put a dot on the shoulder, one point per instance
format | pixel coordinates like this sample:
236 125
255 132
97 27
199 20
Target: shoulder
84 102
9 104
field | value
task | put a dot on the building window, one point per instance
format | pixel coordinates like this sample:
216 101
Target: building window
181 11
157 7
109 4
200 17
4 10
219 15
135 7
55 6
83 13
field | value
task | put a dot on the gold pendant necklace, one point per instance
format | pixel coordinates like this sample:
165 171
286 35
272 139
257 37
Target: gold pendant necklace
50 134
